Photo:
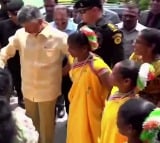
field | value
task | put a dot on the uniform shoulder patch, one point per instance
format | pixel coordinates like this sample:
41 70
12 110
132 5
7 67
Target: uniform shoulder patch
117 38
113 27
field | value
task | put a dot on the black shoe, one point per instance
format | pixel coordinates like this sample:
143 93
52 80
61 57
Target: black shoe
60 112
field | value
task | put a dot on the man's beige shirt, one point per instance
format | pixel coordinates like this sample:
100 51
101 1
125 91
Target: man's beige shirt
41 62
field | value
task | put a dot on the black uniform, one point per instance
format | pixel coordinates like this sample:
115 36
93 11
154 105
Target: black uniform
110 37
110 41
7 29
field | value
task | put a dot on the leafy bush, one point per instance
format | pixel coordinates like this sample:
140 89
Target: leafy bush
144 4
113 1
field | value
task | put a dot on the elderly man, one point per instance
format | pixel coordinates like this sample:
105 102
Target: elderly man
64 23
41 50
151 18
62 20
130 28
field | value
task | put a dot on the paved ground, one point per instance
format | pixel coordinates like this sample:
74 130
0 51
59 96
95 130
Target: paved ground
60 132
60 129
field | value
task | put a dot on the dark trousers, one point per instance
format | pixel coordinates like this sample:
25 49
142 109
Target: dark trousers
66 85
17 84
15 70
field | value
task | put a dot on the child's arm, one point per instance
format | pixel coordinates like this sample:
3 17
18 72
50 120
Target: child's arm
104 78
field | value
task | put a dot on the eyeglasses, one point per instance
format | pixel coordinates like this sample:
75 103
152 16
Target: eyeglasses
84 10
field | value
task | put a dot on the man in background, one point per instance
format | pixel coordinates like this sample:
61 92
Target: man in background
108 15
62 20
49 6
130 28
63 23
110 37
8 28
151 17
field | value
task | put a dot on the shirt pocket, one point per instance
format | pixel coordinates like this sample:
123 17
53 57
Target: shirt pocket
50 54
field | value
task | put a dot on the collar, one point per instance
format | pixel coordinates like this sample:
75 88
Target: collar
69 26
82 63
139 27
119 95
46 32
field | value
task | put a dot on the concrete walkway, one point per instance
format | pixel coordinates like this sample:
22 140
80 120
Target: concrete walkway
60 128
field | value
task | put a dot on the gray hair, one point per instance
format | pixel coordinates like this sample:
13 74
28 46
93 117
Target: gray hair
61 7
29 13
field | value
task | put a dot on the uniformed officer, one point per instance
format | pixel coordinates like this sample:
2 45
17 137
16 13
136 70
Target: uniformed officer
110 37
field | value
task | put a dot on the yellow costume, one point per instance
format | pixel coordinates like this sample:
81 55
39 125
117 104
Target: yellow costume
152 91
109 130
136 58
87 98
155 63
153 87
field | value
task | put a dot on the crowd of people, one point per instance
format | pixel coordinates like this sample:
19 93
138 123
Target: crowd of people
105 73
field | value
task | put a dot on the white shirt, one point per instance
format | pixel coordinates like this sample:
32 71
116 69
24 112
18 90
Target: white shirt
129 37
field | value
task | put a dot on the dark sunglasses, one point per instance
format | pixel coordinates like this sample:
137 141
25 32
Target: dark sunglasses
84 10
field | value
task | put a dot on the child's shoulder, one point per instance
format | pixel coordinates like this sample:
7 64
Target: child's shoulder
136 58
98 63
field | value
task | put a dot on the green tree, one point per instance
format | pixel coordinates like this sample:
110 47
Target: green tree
127 1
143 4
113 1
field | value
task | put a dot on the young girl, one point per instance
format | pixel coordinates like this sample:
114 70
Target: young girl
131 116
147 46
90 77
124 76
